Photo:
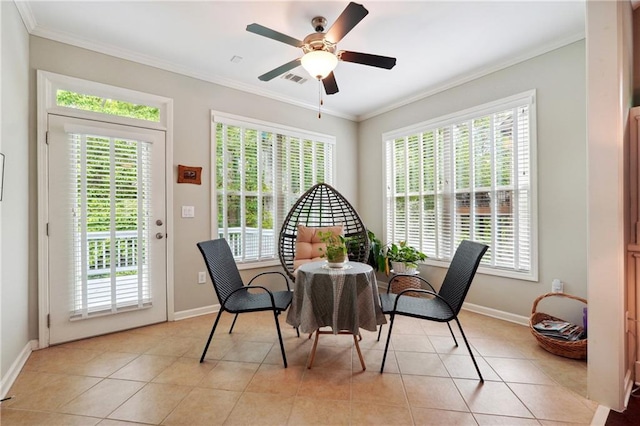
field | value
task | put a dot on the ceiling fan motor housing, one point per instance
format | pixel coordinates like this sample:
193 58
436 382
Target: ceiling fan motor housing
319 23
316 41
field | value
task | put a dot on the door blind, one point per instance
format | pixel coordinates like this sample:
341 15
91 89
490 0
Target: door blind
110 203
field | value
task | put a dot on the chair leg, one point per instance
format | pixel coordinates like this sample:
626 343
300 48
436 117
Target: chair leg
452 335
233 323
469 349
386 347
284 357
355 341
297 331
312 355
215 324
380 332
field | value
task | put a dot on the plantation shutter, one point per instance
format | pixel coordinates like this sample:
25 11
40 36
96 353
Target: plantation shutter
466 177
110 203
261 171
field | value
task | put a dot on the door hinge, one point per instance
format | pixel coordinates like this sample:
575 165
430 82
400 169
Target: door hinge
47 229
48 320
46 137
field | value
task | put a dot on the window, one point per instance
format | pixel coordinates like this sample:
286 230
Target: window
469 175
261 170
104 105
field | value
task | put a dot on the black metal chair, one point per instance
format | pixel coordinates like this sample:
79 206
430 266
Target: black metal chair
234 296
321 206
442 306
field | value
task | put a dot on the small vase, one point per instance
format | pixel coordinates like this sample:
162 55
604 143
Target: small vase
337 261
402 268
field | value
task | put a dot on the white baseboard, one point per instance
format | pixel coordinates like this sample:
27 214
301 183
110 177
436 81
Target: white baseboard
600 416
190 313
494 313
16 367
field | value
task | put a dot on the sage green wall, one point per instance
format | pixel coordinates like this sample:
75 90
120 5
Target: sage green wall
14 208
559 79
193 100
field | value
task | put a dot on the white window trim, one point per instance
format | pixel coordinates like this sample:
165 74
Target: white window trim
47 85
504 103
240 121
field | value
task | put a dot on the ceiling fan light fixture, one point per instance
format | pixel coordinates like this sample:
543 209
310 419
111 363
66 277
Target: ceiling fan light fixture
319 63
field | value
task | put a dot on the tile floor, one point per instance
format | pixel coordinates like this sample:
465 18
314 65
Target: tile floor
151 375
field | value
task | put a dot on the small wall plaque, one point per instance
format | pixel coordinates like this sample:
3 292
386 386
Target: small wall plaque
187 174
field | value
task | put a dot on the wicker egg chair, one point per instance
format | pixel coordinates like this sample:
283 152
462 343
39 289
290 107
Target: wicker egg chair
322 206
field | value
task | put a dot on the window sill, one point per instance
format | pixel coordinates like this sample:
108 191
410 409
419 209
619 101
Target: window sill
258 264
484 270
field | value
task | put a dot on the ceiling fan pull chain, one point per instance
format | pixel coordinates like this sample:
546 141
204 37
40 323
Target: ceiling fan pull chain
320 103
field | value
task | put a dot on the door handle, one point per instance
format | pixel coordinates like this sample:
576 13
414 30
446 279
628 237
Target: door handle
159 235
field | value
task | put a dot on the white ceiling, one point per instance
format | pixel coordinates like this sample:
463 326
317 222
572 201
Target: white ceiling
437 43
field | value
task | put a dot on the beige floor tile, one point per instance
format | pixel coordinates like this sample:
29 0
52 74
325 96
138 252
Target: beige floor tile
109 422
58 359
103 365
151 404
461 367
144 368
311 411
405 325
276 379
433 392
260 408
446 345
185 371
426 364
370 340
519 371
28 382
552 403
243 351
297 352
378 388
102 399
411 343
174 346
55 393
496 348
489 420
11 417
324 383
203 407
491 398
131 342
333 357
373 361
218 347
229 375
431 417
366 413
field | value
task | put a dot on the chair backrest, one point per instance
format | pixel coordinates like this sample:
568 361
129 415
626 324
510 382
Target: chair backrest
461 272
322 206
222 267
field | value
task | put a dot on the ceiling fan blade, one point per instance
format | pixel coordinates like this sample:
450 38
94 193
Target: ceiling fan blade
367 59
272 34
348 19
330 85
280 70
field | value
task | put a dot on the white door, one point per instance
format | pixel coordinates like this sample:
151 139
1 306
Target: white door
106 231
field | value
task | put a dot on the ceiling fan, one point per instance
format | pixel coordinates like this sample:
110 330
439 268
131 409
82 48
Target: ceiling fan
320 54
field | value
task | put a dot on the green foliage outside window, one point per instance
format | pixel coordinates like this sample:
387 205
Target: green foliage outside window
106 106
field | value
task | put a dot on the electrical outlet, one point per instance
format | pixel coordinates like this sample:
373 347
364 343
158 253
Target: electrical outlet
202 278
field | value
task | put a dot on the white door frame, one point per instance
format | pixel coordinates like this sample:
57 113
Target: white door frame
47 84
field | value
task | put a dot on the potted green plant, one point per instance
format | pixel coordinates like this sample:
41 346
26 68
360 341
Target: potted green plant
335 250
404 258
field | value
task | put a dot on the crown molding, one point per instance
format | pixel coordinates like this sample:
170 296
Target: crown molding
465 78
117 52
28 18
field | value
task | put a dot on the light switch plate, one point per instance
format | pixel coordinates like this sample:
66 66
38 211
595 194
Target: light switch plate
188 211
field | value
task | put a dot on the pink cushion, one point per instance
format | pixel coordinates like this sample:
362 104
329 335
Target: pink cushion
308 243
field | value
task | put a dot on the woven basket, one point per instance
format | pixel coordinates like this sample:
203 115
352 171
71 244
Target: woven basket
576 349
399 284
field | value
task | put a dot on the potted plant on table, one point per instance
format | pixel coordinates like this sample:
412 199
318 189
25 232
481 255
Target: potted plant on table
335 250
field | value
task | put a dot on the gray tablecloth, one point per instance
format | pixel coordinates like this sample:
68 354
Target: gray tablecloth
343 299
